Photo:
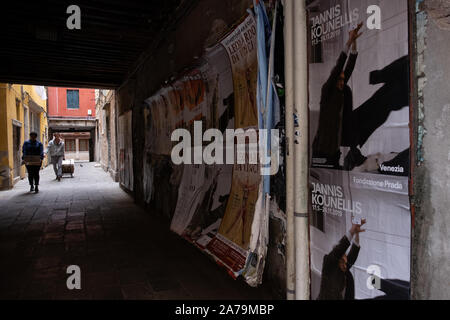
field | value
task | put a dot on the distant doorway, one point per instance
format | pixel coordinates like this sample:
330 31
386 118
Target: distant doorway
16 150
108 139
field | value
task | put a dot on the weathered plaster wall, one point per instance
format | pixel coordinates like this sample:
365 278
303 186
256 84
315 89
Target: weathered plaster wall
114 170
106 108
10 94
4 157
431 234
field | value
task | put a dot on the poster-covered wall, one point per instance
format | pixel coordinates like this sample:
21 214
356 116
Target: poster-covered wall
359 116
232 242
126 151
214 205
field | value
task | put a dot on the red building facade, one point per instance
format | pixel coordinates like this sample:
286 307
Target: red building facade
71 102
71 112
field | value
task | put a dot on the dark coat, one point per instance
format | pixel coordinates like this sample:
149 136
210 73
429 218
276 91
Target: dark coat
336 109
333 279
31 148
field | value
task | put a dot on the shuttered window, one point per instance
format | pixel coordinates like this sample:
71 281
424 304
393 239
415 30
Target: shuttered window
84 145
73 99
70 145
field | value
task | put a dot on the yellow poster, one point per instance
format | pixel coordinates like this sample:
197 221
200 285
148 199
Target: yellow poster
241 49
238 219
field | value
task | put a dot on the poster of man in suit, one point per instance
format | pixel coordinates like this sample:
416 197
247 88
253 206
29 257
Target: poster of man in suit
360 217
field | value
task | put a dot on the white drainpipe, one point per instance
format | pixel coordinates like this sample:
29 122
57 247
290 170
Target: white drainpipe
289 75
301 153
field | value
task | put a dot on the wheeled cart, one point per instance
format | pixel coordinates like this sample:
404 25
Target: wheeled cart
68 167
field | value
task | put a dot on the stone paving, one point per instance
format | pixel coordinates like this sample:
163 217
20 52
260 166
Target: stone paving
123 251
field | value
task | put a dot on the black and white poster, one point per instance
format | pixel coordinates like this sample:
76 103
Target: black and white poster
360 222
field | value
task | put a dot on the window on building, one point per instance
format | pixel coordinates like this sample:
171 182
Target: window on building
26 122
17 109
35 123
70 145
84 145
73 99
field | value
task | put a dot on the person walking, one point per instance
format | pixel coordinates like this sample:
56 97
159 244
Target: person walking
32 156
55 151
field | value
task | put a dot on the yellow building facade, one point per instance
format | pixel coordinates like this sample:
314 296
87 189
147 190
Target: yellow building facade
23 109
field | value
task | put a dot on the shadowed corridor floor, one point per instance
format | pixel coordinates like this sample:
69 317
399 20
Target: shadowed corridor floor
123 251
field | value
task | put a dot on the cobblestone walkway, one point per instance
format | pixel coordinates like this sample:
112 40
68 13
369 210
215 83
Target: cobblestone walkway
123 251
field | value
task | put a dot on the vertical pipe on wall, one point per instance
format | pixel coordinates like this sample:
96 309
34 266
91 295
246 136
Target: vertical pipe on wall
301 154
290 244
